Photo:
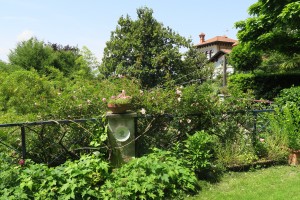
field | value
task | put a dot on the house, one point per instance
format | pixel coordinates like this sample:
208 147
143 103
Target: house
215 50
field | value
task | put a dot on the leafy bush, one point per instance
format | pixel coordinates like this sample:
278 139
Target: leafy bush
289 95
80 179
158 175
198 152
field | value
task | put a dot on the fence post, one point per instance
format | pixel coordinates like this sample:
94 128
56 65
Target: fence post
254 128
23 142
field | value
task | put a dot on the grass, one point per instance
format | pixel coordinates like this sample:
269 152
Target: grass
279 182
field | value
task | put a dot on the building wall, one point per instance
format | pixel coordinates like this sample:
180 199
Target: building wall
213 48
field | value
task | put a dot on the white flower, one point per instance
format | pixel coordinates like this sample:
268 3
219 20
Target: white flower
143 111
178 92
178 99
188 121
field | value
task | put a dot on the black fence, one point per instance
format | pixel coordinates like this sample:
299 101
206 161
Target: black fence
53 142
50 142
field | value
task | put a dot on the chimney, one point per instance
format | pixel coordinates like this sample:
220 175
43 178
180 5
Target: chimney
202 38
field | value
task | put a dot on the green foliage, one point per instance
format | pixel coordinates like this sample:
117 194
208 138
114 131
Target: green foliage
236 152
278 62
176 111
80 179
195 67
35 54
273 26
158 175
288 119
243 58
31 54
288 95
198 151
147 50
265 86
26 92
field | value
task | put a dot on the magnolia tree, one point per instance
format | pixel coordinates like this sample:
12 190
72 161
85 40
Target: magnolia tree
147 50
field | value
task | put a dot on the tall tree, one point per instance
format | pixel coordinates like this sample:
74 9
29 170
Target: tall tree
31 54
274 25
38 55
272 30
144 49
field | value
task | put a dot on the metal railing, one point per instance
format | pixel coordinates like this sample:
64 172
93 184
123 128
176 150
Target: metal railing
21 142
54 141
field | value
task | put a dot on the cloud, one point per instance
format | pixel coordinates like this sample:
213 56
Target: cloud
25 35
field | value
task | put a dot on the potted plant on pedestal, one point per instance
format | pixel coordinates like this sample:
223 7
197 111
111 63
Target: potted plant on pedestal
120 103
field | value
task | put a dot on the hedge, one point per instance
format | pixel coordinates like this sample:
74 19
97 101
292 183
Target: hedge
264 86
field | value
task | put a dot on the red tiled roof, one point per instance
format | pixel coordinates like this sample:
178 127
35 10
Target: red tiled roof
217 39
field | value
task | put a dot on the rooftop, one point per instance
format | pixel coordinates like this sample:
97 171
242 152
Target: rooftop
214 40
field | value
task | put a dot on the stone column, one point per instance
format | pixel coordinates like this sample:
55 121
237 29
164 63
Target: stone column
121 136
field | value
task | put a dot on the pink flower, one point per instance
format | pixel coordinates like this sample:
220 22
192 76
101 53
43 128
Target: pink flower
22 162
104 100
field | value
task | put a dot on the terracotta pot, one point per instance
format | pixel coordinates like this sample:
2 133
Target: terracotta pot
294 157
118 108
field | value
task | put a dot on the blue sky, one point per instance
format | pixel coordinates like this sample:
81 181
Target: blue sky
90 22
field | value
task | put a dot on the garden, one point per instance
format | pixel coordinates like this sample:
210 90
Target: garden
54 133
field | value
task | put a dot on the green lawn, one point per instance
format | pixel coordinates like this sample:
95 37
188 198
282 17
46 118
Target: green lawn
280 182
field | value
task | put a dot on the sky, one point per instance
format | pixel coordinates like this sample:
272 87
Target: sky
90 22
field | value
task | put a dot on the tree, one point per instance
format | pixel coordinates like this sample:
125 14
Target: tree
274 25
144 49
31 54
195 66
38 55
244 58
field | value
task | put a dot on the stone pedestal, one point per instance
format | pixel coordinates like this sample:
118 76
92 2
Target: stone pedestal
121 137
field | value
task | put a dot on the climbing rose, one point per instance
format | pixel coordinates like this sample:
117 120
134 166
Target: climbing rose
22 162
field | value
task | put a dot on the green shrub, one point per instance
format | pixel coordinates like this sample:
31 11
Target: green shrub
289 95
199 153
80 179
286 121
265 86
158 175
